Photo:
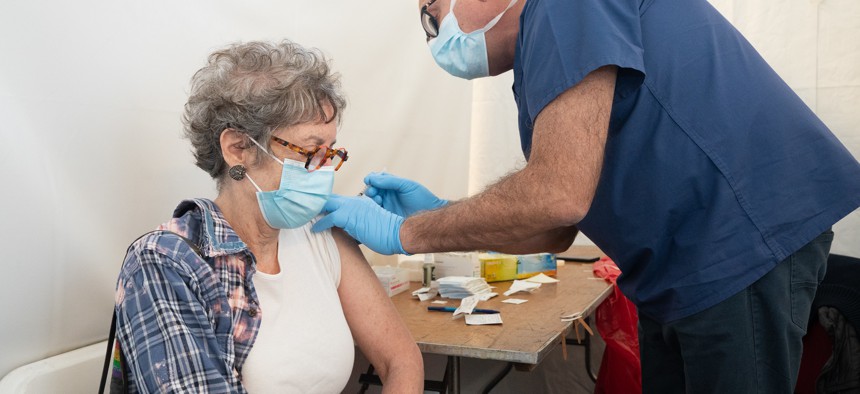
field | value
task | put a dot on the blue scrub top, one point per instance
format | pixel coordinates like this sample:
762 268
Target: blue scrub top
715 170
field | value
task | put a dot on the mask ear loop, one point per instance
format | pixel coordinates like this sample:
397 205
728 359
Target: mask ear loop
495 20
253 183
489 24
268 153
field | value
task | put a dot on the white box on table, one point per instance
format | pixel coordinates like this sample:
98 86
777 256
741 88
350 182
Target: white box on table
457 264
394 280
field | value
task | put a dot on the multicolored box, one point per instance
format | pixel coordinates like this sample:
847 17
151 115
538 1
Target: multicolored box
498 267
529 265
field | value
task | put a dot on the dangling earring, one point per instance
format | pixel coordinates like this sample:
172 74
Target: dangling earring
237 172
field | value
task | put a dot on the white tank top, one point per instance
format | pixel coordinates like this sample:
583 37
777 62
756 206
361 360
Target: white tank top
304 344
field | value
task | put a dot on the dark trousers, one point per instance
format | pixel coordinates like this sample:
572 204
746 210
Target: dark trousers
749 343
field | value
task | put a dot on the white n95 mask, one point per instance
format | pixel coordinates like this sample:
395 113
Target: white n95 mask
463 55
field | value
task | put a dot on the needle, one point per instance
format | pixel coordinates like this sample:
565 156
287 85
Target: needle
363 192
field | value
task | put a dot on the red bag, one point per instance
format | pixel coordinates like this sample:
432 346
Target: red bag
616 317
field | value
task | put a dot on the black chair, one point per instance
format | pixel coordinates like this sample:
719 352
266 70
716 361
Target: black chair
836 311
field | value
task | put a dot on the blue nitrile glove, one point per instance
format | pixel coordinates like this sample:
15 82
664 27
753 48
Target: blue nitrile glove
401 196
365 221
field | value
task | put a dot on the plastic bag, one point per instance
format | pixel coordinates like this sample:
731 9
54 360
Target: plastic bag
616 318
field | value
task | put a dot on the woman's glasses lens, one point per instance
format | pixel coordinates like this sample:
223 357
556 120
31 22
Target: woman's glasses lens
322 157
318 159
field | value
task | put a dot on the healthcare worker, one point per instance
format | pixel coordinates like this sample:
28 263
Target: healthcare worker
657 130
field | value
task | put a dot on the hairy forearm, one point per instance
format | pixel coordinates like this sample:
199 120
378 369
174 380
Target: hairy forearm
515 209
553 191
553 241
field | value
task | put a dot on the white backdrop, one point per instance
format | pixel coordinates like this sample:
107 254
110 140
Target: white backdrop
91 94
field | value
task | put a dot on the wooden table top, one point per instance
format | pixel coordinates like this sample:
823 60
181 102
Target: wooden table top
529 330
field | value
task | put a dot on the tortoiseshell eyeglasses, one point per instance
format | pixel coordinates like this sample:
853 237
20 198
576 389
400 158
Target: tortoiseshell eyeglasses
317 157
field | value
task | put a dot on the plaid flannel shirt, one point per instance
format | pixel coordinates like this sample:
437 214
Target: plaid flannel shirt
186 323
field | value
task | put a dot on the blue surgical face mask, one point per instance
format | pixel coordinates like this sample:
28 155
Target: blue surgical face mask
461 54
300 197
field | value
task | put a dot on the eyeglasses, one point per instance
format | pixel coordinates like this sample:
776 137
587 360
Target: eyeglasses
429 22
318 156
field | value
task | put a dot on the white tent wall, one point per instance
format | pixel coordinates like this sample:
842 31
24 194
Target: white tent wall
91 94
813 45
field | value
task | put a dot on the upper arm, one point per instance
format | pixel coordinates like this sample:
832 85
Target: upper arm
576 57
375 324
167 338
569 140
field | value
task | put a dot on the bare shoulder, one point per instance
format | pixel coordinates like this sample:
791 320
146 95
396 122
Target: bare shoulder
347 246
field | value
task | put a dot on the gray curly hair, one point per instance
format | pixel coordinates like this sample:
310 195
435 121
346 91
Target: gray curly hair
256 87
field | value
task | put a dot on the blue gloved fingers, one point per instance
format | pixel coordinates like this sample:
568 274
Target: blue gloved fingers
325 223
389 182
365 221
334 202
373 174
328 221
375 194
401 196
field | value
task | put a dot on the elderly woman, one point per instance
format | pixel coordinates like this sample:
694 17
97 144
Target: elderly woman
237 294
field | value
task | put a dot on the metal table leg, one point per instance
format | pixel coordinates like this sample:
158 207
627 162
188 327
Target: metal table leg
588 369
454 373
498 378
586 342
